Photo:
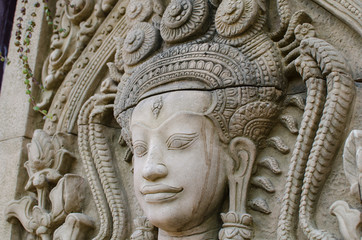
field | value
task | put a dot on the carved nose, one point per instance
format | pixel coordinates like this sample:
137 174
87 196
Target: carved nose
154 171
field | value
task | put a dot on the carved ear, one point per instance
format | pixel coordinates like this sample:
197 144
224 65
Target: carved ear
243 152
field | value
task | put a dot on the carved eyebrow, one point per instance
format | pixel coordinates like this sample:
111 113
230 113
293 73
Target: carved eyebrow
167 121
181 140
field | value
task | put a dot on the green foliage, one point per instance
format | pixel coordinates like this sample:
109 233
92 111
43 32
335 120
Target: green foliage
22 42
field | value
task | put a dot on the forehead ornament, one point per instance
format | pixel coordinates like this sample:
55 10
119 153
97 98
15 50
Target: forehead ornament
157 106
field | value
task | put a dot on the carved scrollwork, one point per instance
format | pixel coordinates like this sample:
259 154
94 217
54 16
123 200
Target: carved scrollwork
75 23
322 68
99 167
184 19
79 10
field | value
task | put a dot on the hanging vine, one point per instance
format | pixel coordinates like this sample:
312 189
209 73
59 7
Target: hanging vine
23 36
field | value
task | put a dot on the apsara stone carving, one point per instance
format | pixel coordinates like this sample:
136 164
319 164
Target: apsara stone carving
221 122
182 68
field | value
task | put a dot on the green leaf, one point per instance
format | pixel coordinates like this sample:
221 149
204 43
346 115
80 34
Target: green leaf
36 108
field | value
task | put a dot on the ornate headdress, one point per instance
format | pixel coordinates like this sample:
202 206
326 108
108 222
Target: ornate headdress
248 83
222 47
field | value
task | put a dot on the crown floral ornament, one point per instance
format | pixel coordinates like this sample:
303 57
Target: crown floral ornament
223 47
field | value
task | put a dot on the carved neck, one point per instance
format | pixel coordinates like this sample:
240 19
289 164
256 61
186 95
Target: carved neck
209 235
208 230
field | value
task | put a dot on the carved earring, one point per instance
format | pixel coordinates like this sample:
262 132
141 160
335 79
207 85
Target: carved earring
237 223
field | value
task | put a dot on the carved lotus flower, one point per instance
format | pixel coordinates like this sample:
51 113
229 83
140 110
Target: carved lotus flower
47 160
40 151
236 226
66 197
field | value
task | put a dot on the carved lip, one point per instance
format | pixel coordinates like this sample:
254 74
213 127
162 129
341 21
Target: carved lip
159 192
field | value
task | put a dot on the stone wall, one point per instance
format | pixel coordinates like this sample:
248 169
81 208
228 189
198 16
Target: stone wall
288 94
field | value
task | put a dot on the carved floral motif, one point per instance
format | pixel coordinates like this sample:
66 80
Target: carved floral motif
184 19
235 17
219 47
48 161
141 40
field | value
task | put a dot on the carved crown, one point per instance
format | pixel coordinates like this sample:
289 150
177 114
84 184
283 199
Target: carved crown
202 45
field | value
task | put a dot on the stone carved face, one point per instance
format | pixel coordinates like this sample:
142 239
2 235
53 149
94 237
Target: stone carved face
179 173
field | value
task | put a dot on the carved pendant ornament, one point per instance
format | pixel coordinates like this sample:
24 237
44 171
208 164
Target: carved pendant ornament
198 89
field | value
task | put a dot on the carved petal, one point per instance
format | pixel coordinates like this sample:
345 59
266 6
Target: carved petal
352 160
349 220
63 159
21 209
76 227
67 196
40 151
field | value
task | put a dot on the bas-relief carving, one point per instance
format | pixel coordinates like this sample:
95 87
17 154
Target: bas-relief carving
350 219
57 197
75 23
201 86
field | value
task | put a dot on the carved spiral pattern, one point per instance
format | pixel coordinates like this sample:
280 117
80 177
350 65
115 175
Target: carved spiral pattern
183 19
141 40
233 17
139 10
80 11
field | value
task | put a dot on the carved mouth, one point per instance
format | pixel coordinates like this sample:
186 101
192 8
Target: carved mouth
160 192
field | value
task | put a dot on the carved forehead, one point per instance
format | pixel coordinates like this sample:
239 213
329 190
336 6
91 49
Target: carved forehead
172 103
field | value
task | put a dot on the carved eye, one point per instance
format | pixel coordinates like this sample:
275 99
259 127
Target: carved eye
181 141
140 148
